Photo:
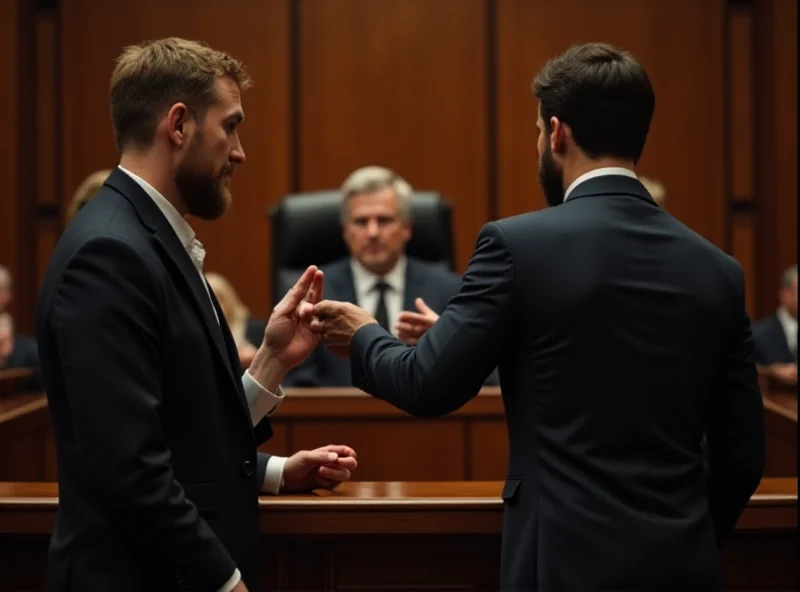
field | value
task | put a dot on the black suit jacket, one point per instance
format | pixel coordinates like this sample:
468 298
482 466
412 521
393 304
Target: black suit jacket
621 338
770 343
423 280
158 484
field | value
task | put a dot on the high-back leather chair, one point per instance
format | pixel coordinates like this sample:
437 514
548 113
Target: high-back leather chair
306 230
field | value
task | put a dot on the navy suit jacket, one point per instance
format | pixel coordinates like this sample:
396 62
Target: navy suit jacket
769 341
423 280
622 339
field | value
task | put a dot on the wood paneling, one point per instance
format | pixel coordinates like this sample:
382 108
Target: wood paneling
17 52
743 248
403 84
680 44
775 40
739 94
395 536
256 33
8 139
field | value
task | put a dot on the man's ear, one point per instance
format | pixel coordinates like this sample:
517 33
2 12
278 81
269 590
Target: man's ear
557 135
177 118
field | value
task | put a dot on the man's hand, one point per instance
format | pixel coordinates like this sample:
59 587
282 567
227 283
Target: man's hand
324 468
288 340
337 322
785 373
411 326
240 587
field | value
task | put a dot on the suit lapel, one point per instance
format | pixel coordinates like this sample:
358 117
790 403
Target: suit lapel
157 223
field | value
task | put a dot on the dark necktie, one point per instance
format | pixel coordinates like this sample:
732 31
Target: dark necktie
381 314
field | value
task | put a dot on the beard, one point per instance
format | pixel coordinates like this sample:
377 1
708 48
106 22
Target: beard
204 193
551 179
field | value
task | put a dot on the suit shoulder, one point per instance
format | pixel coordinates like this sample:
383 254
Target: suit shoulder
336 267
433 272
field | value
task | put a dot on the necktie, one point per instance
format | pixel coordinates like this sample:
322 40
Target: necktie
381 314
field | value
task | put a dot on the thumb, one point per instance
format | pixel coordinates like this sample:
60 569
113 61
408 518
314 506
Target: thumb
422 307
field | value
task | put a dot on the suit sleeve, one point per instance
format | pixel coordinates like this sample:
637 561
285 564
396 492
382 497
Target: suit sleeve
735 435
106 319
453 358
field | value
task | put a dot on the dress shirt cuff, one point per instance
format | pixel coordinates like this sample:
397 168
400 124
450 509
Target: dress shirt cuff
261 401
231 584
273 475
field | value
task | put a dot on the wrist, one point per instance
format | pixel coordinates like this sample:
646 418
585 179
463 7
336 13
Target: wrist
267 369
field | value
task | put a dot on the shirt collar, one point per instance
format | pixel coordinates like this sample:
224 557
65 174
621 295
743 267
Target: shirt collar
787 321
598 173
179 225
364 277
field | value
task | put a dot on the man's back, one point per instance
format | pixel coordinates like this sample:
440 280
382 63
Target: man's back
609 379
623 344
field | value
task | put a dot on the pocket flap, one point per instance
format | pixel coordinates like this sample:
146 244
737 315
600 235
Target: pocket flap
510 489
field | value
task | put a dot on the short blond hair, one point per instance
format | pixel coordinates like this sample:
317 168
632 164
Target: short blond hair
228 297
370 179
656 190
152 76
86 191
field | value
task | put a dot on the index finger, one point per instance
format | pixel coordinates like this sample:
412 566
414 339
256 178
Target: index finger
297 292
317 288
413 318
341 450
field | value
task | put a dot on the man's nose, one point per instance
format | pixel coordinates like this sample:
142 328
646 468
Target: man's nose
372 228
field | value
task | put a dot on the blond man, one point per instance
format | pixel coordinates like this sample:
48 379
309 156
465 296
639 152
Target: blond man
156 429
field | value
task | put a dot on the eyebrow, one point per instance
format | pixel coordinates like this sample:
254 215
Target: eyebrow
237 117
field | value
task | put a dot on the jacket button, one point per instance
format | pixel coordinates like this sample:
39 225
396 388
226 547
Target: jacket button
247 469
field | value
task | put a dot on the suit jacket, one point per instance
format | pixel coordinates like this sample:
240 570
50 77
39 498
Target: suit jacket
621 338
423 280
158 483
770 342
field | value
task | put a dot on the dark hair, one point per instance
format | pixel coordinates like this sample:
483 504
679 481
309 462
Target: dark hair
603 94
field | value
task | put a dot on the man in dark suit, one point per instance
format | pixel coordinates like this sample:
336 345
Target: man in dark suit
776 337
621 338
153 420
403 292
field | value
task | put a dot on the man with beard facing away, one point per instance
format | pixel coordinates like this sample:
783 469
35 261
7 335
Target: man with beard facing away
621 338
154 423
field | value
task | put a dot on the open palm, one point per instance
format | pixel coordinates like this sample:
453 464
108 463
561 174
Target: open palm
287 335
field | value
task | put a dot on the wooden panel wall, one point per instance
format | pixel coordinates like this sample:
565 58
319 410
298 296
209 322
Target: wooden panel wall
440 91
775 48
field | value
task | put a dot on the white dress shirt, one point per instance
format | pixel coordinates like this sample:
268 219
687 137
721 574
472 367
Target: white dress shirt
598 173
789 326
260 401
367 296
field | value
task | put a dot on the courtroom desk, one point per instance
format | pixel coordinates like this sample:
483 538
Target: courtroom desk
27 447
780 425
400 537
470 444
15 380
